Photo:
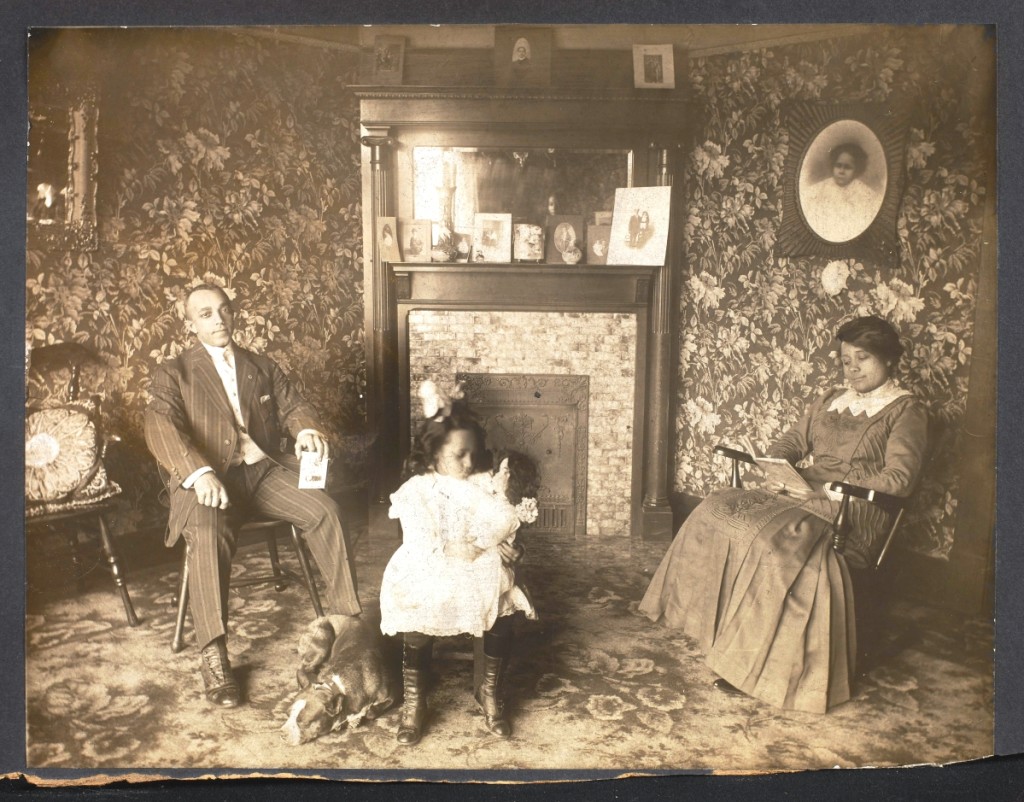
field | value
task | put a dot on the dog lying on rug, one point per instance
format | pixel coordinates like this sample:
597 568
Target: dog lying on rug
342 679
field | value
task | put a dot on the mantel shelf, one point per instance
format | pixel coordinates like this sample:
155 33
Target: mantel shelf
524 286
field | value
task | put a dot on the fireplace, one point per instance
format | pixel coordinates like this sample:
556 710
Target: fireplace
545 417
572 339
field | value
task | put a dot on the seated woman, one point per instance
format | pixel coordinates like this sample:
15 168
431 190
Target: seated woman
752 574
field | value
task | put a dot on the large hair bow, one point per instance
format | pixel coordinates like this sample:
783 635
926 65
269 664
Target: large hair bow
437 404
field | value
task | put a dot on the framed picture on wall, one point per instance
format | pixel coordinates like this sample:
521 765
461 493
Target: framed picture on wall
653 67
843 180
414 236
639 234
522 56
387 239
388 59
492 237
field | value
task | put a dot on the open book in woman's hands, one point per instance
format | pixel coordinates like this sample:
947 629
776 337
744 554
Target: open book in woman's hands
777 471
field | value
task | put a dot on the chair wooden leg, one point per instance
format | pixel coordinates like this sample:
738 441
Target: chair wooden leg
178 643
76 558
307 571
108 548
280 583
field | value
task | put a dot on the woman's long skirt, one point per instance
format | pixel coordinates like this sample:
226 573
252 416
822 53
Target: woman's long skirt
752 576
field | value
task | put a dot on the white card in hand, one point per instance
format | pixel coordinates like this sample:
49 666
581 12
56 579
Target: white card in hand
312 471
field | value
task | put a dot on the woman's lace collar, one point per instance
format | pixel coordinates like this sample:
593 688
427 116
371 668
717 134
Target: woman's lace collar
870 403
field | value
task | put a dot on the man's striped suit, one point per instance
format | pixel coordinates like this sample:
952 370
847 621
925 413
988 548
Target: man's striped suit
190 424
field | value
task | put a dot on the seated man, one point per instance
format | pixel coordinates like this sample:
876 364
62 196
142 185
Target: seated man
214 421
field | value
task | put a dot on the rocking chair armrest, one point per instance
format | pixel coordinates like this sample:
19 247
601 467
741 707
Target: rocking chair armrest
737 457
733 453
888 502
841 525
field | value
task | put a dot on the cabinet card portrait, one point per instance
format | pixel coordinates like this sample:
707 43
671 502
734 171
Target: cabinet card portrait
492 237
597 244
565 232
640 226
414 236
387 239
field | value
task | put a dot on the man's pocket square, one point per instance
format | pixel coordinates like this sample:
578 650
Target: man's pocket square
264 399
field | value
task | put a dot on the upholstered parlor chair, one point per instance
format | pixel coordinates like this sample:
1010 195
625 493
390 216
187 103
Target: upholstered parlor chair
66 484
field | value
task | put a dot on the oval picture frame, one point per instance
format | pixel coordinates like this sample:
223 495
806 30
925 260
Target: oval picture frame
843 181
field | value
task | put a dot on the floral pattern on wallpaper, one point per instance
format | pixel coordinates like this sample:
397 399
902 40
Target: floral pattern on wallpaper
757 330
228 159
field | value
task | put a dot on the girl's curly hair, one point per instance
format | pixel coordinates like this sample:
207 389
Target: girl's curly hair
433 433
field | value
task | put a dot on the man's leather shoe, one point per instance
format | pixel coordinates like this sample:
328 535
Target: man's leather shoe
727 687
221 688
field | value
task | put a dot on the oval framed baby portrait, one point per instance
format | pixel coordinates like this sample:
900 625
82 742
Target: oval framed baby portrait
843 181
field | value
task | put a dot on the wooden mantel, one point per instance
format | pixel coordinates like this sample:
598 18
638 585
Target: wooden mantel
650 126
533 287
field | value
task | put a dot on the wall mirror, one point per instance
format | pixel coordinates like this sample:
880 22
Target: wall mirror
452 184
60 207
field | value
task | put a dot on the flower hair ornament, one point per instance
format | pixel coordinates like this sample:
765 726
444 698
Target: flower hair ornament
437 404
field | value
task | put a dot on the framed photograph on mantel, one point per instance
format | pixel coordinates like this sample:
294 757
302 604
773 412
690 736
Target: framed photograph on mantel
387 240
597 244
492 237
414 236
640 221
843 180
522 56
564 239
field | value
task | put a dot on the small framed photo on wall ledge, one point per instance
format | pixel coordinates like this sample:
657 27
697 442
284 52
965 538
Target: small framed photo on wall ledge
388 60
653 67
522 56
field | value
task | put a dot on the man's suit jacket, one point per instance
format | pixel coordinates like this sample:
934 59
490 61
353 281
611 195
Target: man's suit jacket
189 422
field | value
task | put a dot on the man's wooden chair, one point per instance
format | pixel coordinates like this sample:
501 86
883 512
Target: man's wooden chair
269 528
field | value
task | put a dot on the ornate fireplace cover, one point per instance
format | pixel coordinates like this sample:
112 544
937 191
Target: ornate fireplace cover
547 417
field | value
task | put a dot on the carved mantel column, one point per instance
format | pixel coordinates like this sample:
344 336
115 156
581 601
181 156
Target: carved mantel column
381 409
657 514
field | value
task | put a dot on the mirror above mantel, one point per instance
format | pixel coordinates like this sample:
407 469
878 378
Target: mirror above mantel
528 183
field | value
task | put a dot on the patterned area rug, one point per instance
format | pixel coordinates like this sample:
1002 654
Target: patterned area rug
593 685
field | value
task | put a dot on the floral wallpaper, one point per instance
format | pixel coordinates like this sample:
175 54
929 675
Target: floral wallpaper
756 333
233 158
225 158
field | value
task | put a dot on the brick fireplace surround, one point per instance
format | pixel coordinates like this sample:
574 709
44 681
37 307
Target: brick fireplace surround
526 319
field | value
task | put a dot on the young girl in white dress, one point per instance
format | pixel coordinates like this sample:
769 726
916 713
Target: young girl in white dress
452 575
